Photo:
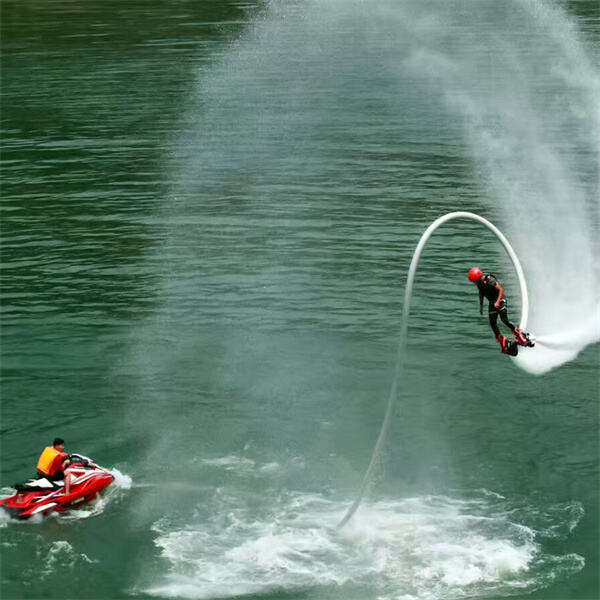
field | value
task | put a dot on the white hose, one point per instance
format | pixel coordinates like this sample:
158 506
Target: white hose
404 326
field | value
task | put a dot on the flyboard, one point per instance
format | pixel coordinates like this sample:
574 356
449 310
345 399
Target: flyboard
511 347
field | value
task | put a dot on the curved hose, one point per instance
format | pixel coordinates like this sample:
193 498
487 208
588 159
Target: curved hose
403 329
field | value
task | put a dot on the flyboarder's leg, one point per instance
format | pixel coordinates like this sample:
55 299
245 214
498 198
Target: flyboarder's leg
520 337
493 315
503 312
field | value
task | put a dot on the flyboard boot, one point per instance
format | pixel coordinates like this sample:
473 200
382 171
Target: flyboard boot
522 338
501 339
507 346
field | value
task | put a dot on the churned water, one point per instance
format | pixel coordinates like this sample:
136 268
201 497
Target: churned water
208 213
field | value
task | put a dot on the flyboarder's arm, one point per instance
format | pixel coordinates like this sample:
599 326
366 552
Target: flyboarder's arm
500 295
480 302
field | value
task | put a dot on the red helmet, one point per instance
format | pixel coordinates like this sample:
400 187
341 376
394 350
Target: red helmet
475 274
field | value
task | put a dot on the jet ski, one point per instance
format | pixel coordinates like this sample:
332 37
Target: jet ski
42 496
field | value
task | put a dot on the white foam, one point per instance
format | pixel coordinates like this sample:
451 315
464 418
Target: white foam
433 547
6 492
60 554
122 480
89 509
230 463
556 349
4 519
270 467
243 466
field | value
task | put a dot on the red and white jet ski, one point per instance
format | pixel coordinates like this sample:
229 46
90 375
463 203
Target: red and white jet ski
42 496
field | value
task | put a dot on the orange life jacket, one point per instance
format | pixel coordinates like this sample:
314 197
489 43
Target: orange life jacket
51 461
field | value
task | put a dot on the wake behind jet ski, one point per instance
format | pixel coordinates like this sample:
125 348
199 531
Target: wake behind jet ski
43 495
490 288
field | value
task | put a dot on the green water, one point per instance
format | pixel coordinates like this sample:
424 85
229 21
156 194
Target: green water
208 212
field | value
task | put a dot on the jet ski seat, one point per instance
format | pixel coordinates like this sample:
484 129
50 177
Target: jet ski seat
38 485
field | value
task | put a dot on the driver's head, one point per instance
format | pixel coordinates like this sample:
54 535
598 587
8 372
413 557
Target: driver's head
59 443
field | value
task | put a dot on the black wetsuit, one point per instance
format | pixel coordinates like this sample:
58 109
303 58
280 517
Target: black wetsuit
58 476
487 288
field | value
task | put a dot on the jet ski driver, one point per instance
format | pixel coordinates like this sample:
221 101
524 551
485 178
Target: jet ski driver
54 462
489 288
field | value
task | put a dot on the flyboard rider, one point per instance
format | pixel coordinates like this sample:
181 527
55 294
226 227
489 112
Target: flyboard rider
490 288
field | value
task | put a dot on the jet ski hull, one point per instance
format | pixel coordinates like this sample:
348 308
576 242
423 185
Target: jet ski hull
41 497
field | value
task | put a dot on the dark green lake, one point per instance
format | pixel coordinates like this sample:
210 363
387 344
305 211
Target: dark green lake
208 213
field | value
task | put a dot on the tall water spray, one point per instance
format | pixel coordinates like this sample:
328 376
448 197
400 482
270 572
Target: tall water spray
329 135
533 140
536 142
547 199
306 93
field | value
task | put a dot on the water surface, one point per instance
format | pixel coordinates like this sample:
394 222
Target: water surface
209 209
